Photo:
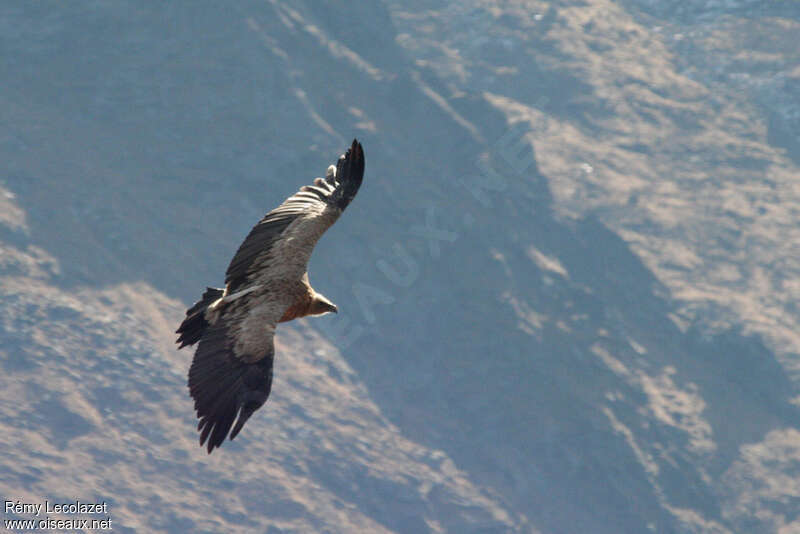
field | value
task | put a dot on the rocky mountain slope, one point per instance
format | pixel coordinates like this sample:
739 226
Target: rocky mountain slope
568 288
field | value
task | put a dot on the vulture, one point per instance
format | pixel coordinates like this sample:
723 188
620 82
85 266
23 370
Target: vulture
266 283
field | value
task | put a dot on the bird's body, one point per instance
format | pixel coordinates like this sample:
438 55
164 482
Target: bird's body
266 283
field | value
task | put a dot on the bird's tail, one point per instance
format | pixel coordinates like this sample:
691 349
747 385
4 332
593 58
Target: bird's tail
192 328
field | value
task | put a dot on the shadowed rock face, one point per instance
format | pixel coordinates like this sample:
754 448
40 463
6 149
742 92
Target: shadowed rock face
567 290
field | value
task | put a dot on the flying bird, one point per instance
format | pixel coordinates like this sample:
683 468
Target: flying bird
266 283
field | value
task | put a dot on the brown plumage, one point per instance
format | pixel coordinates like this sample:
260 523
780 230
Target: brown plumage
266 283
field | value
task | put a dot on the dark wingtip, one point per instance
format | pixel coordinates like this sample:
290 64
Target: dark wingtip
357 152
349 174
207 434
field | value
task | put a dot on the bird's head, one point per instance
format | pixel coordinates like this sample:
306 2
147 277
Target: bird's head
321 305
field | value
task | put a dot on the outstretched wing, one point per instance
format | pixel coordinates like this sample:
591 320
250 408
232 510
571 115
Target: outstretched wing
231 373
280 245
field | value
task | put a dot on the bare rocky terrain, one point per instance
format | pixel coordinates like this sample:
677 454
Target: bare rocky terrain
568 287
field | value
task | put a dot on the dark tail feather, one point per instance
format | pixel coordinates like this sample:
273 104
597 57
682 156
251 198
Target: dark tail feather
191 329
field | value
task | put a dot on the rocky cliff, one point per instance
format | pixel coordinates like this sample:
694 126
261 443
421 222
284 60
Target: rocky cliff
567 289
